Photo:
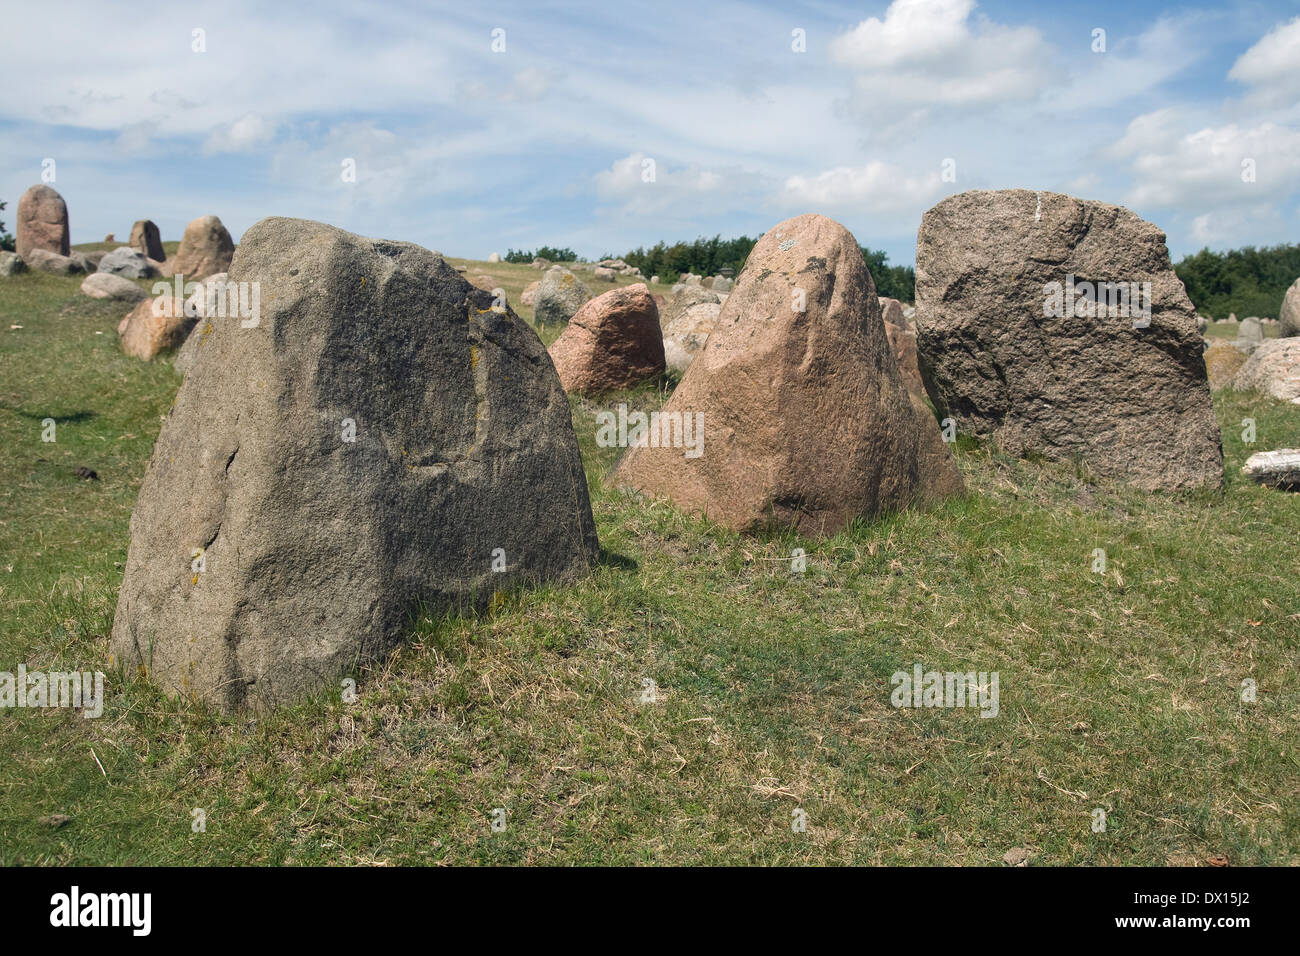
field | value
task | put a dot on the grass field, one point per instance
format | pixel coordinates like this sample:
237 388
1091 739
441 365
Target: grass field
1119 691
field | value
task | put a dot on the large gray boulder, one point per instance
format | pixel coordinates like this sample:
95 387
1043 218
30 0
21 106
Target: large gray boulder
42 223
128 262
560 296
384 437
1288 320
1011 348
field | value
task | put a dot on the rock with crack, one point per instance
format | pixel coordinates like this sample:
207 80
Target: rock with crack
382 440
1057 326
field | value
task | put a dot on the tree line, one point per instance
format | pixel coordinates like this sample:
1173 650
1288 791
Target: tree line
1246 281
707 257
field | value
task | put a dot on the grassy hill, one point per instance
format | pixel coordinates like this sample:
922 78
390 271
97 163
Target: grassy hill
1118 691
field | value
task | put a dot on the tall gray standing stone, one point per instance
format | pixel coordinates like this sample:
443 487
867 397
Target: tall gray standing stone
379 439
1131 403
42 223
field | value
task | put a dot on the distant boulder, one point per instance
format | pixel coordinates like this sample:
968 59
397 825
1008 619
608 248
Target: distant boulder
11 264
206 249
156 325
45 261
42 223
106 285
1274 369
128 262
560 296
146 238
612 342
1222 362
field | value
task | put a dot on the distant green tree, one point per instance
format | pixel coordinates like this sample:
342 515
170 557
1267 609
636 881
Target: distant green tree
708 257
893 282
6 240
543 252
1246 281
703 257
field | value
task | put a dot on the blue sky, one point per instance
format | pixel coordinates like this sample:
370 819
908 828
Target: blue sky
470 151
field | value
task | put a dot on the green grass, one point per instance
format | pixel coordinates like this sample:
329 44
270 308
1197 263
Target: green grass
1119 691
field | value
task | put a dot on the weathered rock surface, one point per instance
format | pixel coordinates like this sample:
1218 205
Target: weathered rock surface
128 262
42 223
206 249
1274 369
373 445
105 285
210 305
1288 320
157 324
903 343
891 310
560 296
612 342
74 264
804 419
1277 469
687 319
11 264
146 238
1133 403
1222 361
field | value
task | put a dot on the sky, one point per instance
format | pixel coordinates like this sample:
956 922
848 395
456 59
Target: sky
475 127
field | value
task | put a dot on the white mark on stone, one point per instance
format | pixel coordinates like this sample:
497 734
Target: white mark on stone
1038 211
788 244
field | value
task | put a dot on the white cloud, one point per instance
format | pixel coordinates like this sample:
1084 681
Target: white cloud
1272 66
877 187
245 133
934 53
529 85
1210 167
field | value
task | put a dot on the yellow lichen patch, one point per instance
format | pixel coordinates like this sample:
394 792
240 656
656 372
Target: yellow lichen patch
473 356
